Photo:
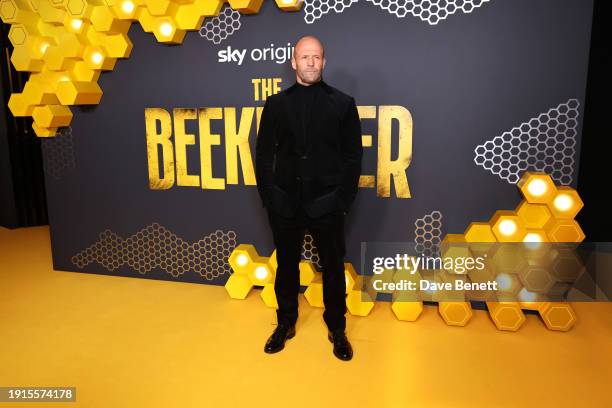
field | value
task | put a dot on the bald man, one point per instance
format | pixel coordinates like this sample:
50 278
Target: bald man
308 162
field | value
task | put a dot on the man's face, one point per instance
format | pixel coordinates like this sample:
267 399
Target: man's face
308 61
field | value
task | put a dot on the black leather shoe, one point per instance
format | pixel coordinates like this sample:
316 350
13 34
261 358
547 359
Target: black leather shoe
342 347
276 342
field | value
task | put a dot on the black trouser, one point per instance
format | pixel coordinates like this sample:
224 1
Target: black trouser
328 234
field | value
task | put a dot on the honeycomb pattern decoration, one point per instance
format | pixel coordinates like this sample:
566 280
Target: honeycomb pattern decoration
545 143
157 247
546 214
58 153
222 26
309 251
66 44
427 234
429 11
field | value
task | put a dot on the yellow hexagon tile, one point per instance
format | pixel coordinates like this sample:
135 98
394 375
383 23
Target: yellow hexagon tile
52 115
351 278
566 203
566 265
536 278
508 258
78 93
19 106
24 59
454 246
558 316
260 273
238 286
508 285
314 293
39 93
269 296
246 6
307 272
359 303
480 238
455 313
507 316
507 226
43 131
289 5
537 187
564 230
407 310
242 257
534 216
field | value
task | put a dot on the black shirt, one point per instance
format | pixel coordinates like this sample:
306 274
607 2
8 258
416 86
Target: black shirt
303 98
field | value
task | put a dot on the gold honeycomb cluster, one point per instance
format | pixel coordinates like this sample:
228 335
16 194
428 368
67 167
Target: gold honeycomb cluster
546 214
157 247
66 44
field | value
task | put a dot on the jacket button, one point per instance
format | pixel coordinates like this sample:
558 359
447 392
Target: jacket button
298 178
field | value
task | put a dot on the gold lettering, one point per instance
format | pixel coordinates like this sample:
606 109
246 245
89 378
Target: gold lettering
387 167
181 140
154 139
238 140
207 140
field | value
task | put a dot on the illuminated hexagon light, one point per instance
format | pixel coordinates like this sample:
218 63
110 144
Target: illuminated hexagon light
260 272
566 203
289 5
537 187
242 257
507 226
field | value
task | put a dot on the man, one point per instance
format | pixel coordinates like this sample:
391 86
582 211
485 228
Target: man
308 163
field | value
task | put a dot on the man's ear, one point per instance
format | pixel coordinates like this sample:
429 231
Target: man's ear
323 63
293 63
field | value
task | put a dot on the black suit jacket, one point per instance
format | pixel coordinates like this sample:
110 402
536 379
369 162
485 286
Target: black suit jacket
317 167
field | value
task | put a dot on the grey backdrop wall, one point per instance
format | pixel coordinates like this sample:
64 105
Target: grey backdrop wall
494 88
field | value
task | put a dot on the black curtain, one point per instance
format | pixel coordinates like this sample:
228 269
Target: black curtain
595 175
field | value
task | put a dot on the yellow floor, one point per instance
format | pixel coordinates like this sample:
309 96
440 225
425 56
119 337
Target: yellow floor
126 342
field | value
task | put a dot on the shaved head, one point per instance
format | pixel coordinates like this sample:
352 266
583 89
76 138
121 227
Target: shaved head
308 60
310 40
